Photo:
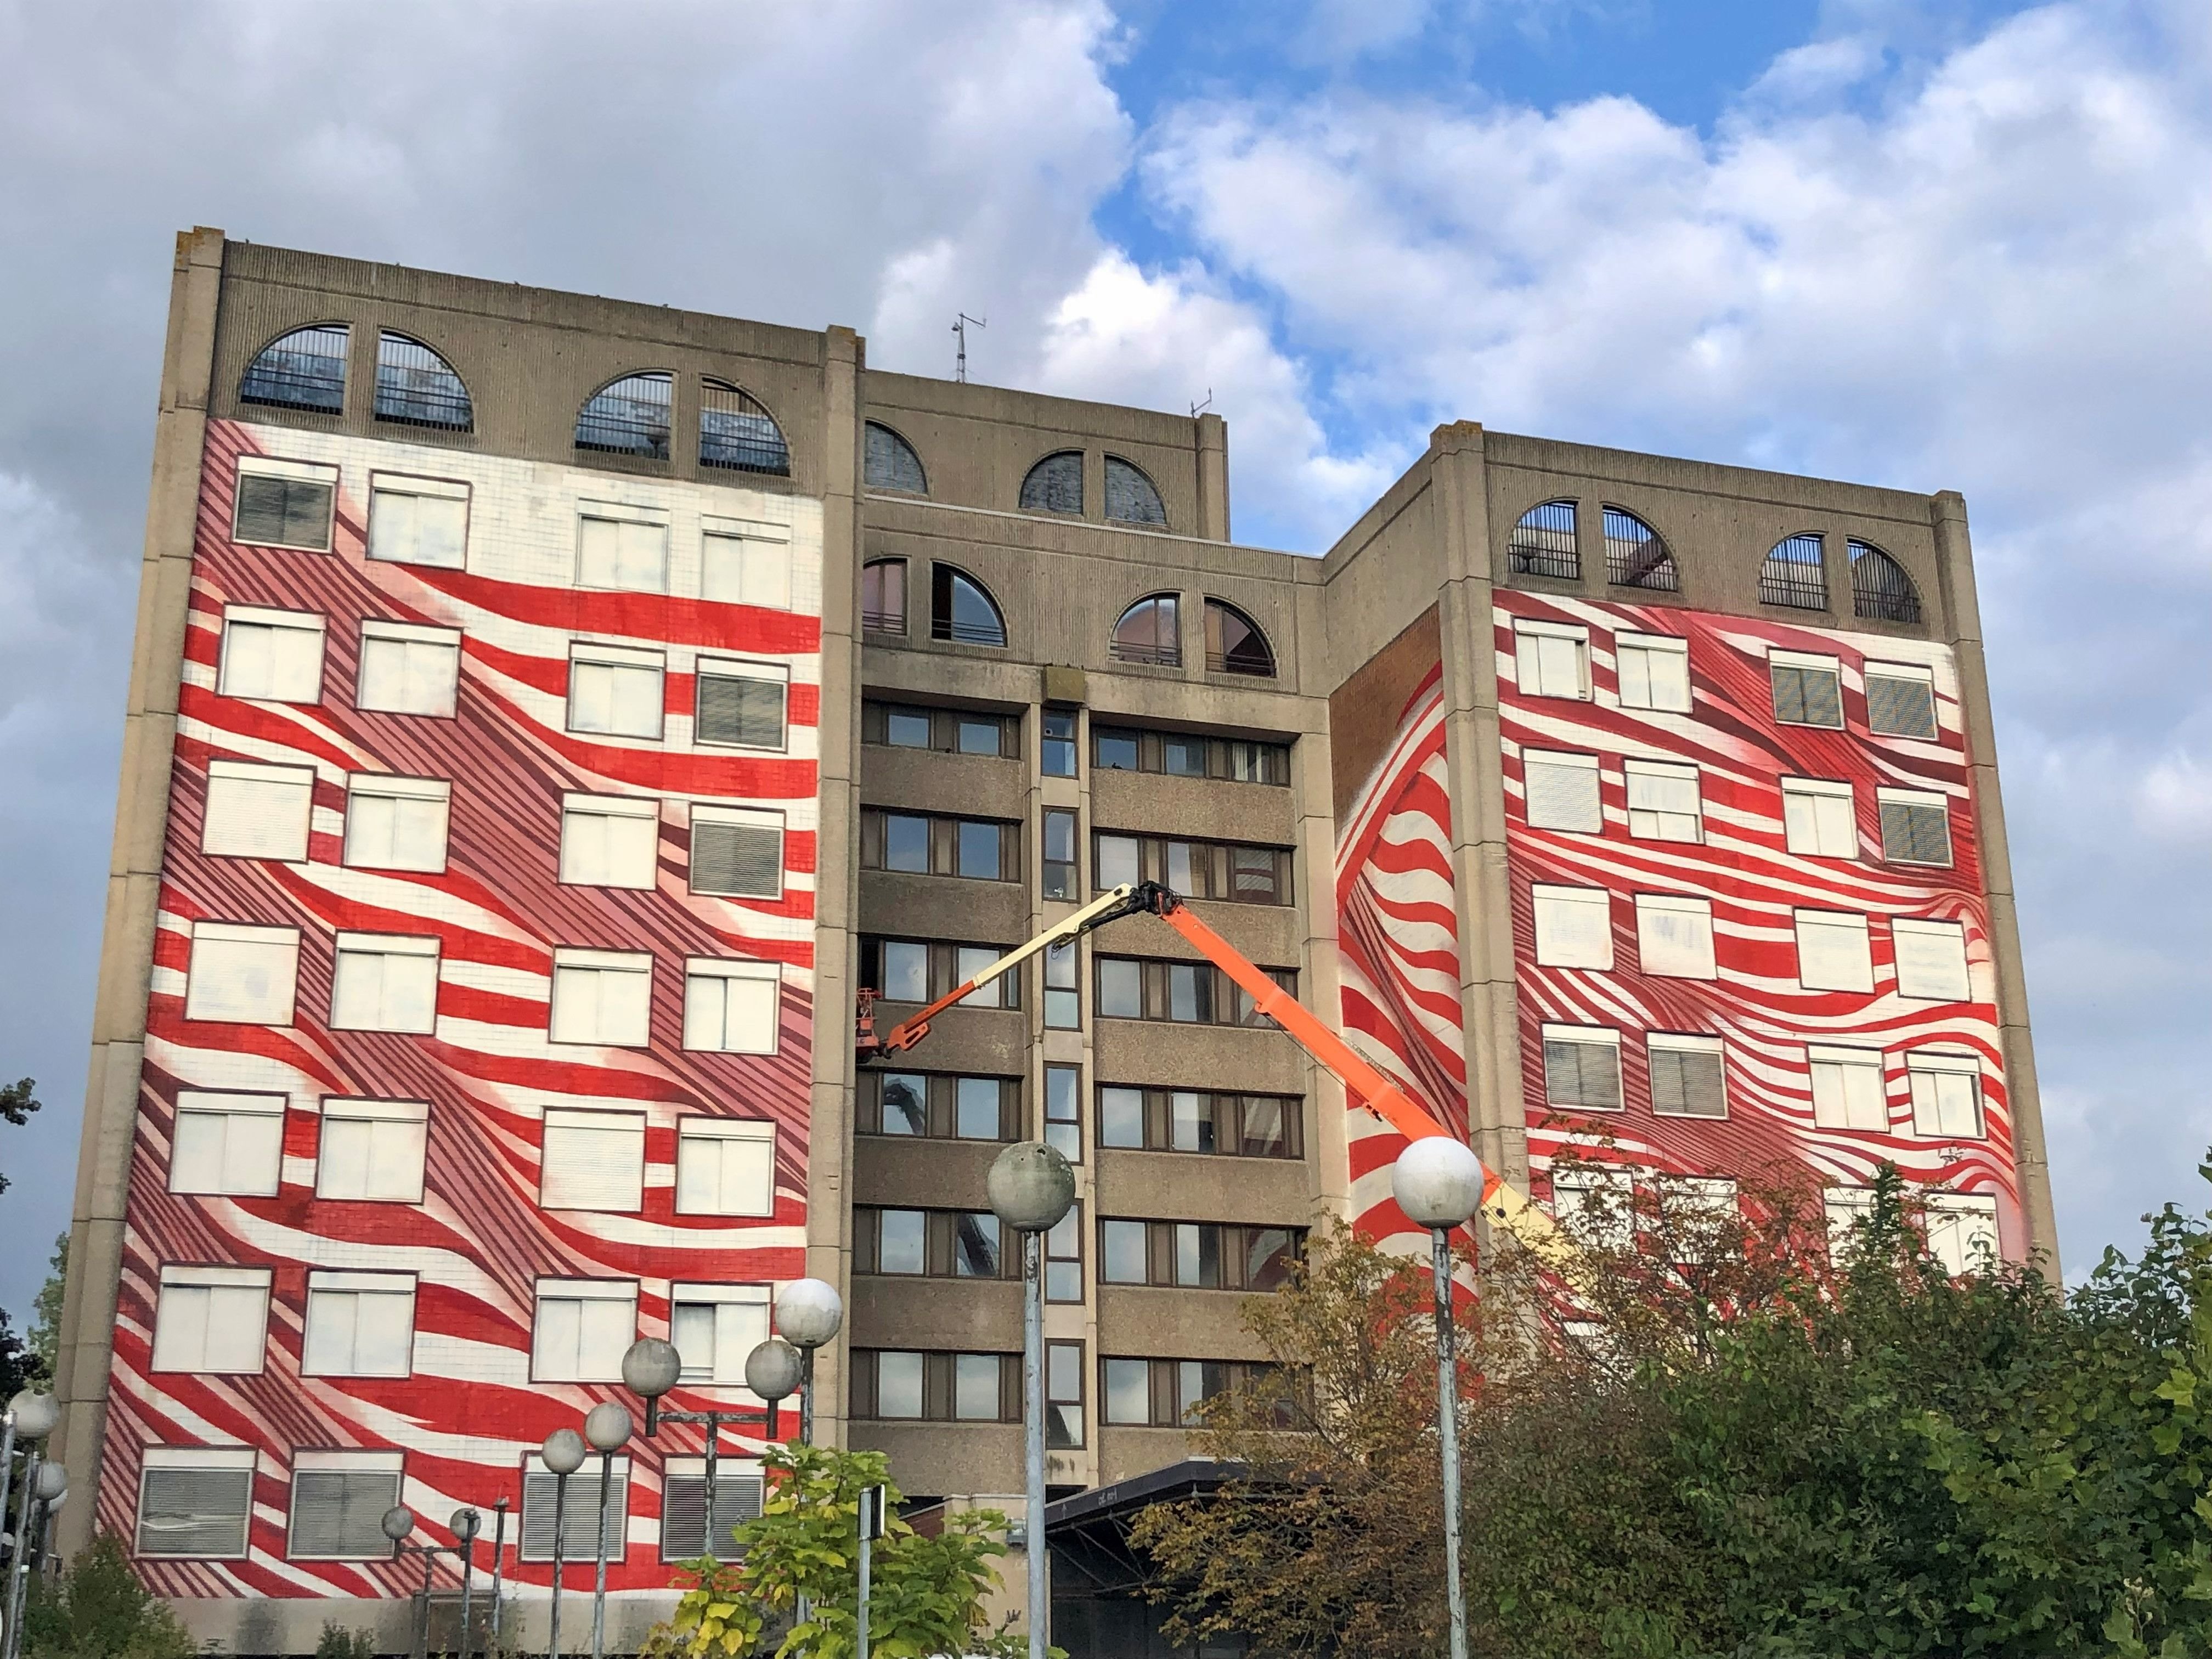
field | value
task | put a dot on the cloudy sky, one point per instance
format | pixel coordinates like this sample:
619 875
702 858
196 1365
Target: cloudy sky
1936 246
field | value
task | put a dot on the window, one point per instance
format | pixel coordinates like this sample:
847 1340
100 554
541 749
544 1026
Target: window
629 416
1653 672
1931 959
1060 873
921 970
714 1328
284 504
1674 936
583 1328
1879 588
687 1531
1916 826
1063 1111
1634 556
892 1386
359 1325
1148 632
601 997
256 811
1582 1068
1055 485
731 1005
1234 643
1962 1231
1197 1255
610 840
1057 757
1847 1089
213 1320
725 1166
1793 575
949 731
415 387
1063 992
1198 1120
1130 496
980 849
1688 1075
592 1160
882 596
194 1502
961 610
271 656
580 1515
1818 819
740 704
1543 542
1597 1207
1063 1395
1664 801
1063 1258
1946 1094
338 1502
742 563
735 431
1560 791
939 1107
1195 869
737 852
1900 700
418 521
406 669
385 982
396 824
372 1150
1167 1394
622 548
241 975
1833 953
1574 927
304 369
889 463
227 1143
934 1244
1552 659
1117 749
1183 992
1808 689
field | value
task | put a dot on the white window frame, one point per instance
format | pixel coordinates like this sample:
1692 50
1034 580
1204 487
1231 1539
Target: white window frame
248 1157
413 1117
1650 822
313 1462
1918 672
1688 1043
707 668
1844 1207
739 1312
551 1291
1955 1221
1530 657
282 947
1950 981
374 631
1699 963
1812 831
1649 646
1926 799
385 947
229 1301
253 616
577 1011
751 816
708 983
1814 661
749 536
695 1133
1584 1036
575 869
623 517
384 786
1590 822
607 1148
591 653
219 1460
1923 1070
334 1295
270 466
402 486
1569 1193
1840 1105
244 817
1827 930
1562 901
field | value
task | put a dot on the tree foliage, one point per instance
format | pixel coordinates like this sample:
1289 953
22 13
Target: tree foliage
98 1609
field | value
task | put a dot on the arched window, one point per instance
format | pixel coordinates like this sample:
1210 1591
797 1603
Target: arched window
891 464
882 596
1543 543
304 369
1055 485
1634 555
960 608
1880 587
736 431
629 416
1234 643
415 387
1792 574
1130 496
1148 633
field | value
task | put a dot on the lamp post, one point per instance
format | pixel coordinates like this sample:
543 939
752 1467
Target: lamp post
772 1372
464 1525
1030 1187
498 1555
607 1427
809 1313
42 1559
399 1521
562 1454
1437 1182
31 1418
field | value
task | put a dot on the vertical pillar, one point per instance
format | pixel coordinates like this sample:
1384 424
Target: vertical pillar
1213 436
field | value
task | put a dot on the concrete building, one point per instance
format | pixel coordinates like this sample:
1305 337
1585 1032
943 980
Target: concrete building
547 712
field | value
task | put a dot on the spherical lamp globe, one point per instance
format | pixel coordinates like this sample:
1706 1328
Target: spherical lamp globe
650 1367
607 1427
464 1524
563 1451
36 1414
772 1369
1030 1186
808 1312
53 1481
399 1521
1437 1182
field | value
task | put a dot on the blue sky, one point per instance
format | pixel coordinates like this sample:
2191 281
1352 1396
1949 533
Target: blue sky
1933 246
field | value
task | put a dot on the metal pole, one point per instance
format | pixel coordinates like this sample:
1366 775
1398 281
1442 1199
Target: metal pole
468 1570
806 1396
1448 1435
20 1556
714 1445
860 1633
428 1554
7 1460
1033 1426
599 1556
560 1526
498 1554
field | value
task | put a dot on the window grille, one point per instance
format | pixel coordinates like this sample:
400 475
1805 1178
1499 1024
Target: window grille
1915 829
1543 542
735 431
739 855
1055 485
1807 691
1686 1077
1582 1070
190 1510
305 369
891 464
1130 496
1793 574
579 1514
337 1514
1234 643
1900 702
960 608
1634 556
629 417
685 1534
736 707
279 510
1880 587
415 387
1148 633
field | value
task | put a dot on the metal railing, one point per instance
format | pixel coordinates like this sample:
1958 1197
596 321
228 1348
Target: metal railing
415 387
629 418
1543 542
1880 587
1793 575
306 369
735 431
1634 556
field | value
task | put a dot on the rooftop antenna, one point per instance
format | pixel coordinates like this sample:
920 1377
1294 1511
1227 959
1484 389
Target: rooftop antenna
1199 409
960 327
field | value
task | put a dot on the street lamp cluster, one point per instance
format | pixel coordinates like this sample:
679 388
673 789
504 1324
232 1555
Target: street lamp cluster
30 1417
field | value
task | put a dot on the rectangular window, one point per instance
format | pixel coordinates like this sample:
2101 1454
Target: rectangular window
1597 1207
1560 791
592 1160
1063 993
621 547
737 852
1059 873
242 976
1834 952
396 824
418 521
227 1143
1063 1395
969 961
1962 1231
934 1244
1574 927
1195 869
1177 753
1674 936
921 970
744 563
739 705
1818 818
948 730
194 1503
1169 1393
610 840
614 690
1808 691
939 1106
359 1325
1181 993
1665 802
385 982
731 1006
1688 1079
1057 754
284 503
1582 1068
1900 700
270 656
1847 1089
408 669
1063 1111
338 1503
725 1166
256 811
1946 1094
981 849
1916 826
214 1321
687 1531
1653 670
714 1328
1931 959
1552 659
1701 1215
1198 1120
1197 1255
582 1328
1063 1258
976 854
579 1519
945 1388
372 1150
602 998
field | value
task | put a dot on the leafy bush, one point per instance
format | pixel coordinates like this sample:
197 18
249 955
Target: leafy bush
98 1609
338 1643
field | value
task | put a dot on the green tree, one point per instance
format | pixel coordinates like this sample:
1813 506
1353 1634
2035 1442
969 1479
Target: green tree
45 1336
20 1366
98 1609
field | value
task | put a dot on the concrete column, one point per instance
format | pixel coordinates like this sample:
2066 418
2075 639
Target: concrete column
134 876
1947 512
1212 434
